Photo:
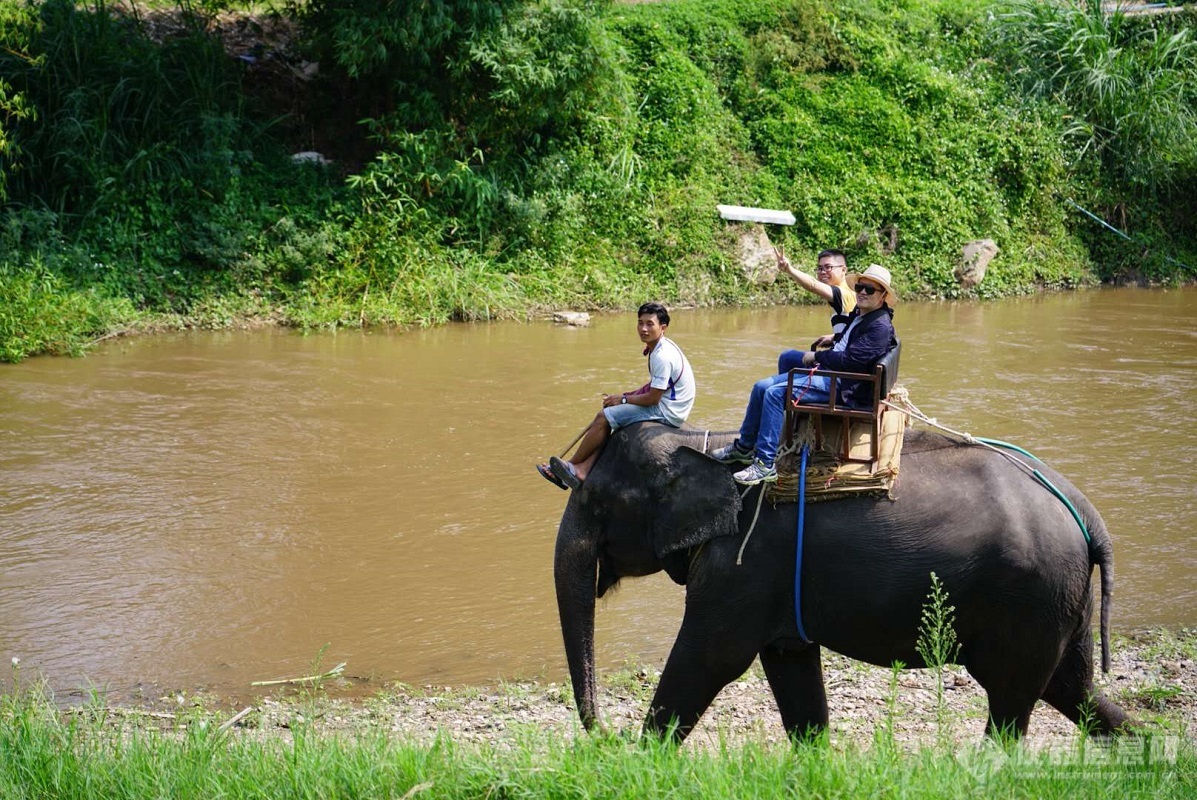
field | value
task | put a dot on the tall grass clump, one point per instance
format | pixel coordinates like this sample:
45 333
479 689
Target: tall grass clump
116 110
1129 82
1126 90
938 647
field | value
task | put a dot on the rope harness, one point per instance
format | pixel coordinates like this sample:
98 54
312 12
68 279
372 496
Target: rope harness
759 499
999 447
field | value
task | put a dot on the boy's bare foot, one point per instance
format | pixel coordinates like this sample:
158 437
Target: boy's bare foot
548 475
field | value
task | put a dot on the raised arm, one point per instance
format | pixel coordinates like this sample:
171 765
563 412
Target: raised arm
808 282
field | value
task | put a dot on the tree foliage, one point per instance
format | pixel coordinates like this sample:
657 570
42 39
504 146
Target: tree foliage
527 153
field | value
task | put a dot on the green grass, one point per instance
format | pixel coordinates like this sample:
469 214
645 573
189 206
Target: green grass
48 754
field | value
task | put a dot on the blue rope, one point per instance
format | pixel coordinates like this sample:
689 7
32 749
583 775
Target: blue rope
798 545
1110 227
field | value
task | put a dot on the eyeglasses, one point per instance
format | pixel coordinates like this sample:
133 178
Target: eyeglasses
869 289
827 267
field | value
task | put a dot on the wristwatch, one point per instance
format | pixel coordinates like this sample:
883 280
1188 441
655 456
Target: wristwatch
623 399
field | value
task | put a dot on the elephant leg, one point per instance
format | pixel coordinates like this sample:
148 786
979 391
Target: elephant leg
1009 716
1014 678
699 666
1071 691
796 677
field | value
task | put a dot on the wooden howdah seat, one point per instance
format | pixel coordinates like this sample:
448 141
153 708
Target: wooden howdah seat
883 378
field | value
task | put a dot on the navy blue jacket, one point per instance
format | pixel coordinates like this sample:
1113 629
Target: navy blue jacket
871 339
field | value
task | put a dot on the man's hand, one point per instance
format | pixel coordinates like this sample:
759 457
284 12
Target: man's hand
808 360
823 341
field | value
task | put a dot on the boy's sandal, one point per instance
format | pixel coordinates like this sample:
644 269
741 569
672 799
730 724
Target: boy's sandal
548 475
565 472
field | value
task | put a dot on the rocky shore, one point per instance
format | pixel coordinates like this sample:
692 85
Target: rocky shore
1153 676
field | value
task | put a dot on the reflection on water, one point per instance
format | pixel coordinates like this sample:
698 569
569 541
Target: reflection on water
213 508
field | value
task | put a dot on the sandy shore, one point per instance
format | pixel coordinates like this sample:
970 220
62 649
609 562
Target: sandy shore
1153 676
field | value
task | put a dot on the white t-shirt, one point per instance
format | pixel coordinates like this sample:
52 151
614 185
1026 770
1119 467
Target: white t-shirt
668 369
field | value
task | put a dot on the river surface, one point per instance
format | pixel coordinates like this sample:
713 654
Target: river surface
210 509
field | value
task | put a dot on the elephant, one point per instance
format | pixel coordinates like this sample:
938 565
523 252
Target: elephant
1010 555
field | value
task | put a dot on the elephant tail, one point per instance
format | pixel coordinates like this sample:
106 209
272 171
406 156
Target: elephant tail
1107 596
1102 553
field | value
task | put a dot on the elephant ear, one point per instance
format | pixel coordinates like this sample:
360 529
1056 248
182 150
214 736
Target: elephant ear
699 502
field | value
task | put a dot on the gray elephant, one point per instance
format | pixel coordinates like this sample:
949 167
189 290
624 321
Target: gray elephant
1010 555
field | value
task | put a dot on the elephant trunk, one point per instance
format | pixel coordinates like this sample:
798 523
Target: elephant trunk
575 570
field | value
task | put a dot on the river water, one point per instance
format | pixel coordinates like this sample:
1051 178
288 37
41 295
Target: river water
210 509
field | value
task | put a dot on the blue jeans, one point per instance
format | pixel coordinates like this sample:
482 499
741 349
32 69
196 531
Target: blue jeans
790 359
761 429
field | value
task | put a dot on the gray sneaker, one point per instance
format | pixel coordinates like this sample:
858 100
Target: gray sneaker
755 473
732 454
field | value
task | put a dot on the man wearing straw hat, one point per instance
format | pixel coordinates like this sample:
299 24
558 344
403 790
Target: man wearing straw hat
867 337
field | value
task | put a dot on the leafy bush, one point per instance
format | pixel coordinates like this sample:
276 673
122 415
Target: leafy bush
38 314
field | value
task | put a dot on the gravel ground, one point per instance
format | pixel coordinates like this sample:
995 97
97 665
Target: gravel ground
1153 675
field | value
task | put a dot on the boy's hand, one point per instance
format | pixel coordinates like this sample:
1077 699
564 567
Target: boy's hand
783 263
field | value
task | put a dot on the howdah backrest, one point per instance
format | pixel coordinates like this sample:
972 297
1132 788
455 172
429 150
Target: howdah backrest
889 362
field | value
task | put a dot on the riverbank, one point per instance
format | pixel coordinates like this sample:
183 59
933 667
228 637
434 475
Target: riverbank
103 756
1153 676
888 738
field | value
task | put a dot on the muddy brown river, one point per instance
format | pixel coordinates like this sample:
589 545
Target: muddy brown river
217 508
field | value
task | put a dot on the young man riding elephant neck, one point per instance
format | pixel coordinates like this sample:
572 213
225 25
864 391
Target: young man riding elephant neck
667 397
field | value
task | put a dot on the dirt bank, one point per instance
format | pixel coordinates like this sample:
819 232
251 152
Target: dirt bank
1153 676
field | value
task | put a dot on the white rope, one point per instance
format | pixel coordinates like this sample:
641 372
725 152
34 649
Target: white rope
760 499
904 405
706 440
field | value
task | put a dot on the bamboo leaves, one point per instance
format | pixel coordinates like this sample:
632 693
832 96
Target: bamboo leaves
1130 83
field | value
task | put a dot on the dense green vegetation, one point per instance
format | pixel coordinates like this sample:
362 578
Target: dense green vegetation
496 157
47 754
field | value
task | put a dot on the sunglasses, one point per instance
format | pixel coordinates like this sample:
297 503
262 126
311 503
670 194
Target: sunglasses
869 289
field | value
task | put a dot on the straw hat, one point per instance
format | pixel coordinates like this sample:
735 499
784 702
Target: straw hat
877 274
